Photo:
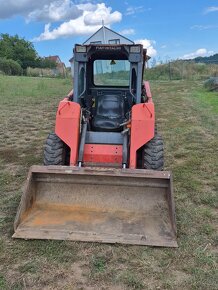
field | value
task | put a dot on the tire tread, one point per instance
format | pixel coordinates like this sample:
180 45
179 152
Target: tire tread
153 153
54 151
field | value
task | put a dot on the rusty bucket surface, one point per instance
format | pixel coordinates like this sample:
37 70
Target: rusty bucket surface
100 205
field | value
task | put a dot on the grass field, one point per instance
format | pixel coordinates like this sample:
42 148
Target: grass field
187 117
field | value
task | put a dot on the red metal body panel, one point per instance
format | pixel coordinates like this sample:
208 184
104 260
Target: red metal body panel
103 153
141 131
142 128
68 126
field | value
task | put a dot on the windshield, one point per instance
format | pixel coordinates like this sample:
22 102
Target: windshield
111 72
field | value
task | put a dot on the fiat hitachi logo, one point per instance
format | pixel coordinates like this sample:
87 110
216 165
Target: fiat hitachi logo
108 47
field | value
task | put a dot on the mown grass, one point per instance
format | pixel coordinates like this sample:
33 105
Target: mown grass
187 119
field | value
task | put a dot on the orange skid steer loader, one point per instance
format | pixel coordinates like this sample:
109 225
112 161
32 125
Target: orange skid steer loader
102 178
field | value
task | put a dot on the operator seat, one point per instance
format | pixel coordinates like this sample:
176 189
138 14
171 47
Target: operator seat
109 113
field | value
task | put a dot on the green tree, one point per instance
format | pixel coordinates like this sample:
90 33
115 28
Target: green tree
46 63
10 67
18 49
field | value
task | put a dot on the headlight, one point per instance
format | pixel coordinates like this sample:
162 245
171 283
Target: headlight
135 49
80 48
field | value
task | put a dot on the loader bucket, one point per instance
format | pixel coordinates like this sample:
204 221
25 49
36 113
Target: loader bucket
97 204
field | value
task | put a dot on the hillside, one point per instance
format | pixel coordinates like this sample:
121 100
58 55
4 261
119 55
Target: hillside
207 59
180 69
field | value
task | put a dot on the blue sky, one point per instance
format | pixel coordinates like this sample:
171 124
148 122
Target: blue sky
169 29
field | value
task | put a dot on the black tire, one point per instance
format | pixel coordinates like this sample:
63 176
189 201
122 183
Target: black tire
55 151
153 153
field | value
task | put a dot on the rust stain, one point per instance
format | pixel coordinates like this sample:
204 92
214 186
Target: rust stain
62 214
56 214
61 218
26 213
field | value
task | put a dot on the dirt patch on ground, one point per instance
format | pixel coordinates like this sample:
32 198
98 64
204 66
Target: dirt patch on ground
46 277
180 278
13 168
9 155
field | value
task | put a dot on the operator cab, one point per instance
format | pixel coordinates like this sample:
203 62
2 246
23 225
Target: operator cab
107 83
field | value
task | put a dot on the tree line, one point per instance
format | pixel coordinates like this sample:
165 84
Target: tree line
17 54
207 59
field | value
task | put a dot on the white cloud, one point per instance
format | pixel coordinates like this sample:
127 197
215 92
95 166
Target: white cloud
204 27
148 44
39 10
131 10
87 23
100 12
129 31
211 9
163 46
55 11
198 52
11 8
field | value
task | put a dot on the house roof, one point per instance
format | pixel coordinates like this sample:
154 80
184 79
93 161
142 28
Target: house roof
118 34
108 30
53 58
